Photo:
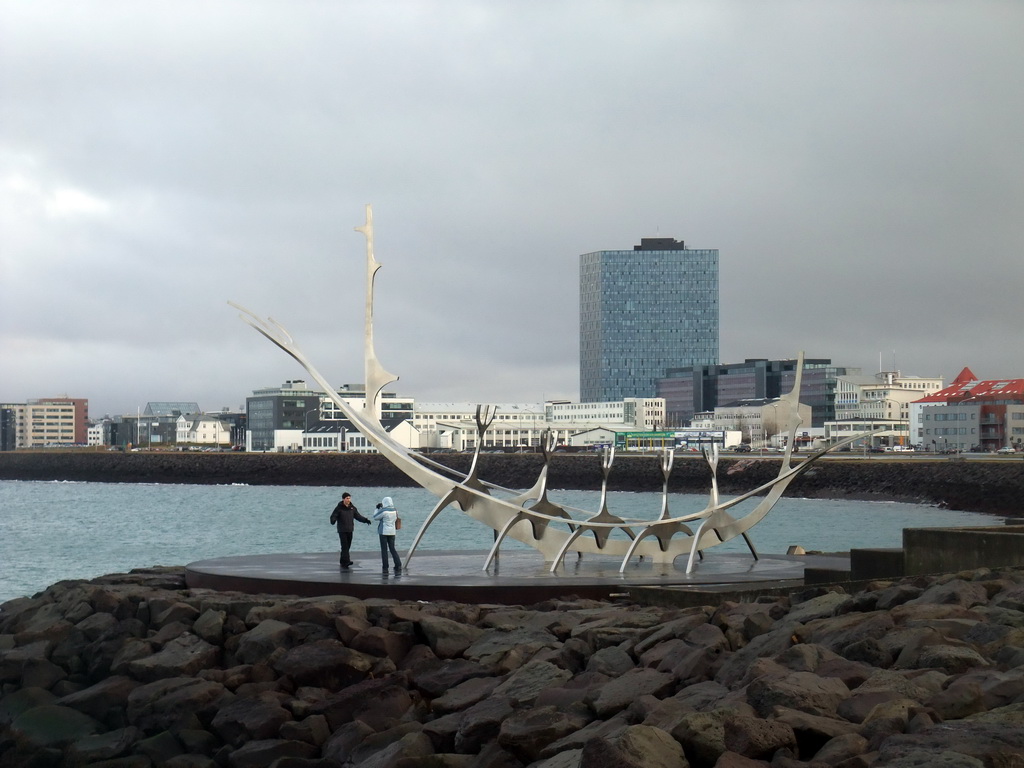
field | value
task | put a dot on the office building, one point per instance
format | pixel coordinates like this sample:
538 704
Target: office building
644 311
700 388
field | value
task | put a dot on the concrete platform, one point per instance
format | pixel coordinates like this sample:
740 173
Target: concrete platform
518 577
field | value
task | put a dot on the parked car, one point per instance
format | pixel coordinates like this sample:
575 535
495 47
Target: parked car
1007 449
741 448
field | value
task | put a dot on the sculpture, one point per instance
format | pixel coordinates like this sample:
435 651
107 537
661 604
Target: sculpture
530 516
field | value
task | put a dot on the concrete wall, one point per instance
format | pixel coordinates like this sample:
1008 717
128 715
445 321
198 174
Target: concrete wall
947 550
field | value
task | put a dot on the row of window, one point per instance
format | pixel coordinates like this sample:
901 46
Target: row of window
948 416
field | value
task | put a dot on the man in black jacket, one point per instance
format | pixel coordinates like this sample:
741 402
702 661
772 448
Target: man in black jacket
344 516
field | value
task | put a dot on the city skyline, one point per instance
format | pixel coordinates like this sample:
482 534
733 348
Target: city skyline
856 165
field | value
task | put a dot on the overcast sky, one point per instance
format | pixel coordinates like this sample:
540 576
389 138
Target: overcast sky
859 165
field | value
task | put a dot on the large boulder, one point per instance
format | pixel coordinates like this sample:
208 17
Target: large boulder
51 725
325 663
174 703
182 657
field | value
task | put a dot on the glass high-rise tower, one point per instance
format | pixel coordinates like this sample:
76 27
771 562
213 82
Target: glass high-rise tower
642 311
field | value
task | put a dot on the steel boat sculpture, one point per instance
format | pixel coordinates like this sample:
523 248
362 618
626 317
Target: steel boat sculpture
532 517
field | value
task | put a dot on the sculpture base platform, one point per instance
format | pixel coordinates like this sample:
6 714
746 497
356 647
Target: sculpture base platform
519 577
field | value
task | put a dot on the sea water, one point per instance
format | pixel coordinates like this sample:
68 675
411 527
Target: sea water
50 531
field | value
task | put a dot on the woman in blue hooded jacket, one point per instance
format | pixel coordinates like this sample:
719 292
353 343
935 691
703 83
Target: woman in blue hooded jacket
387 515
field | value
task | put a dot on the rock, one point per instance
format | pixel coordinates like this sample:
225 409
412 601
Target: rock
210 626
312 730
639 746
408 746
674 629
840 748
951 659
13 704
702 735
956 592
105 746
618 693
525 684
159 748
481 723
838 632
97 625
175 612
435 678
493 645
380 642
13 661
376 702
525 734
250 718
260 754
104 699
822 606
442 730
735 760
804 691
178 702
768 644
611 661
182 657
463 695
703 696
343 741
446 638
262 640
947 744
756 738
349 626
326 663
812 731
51 725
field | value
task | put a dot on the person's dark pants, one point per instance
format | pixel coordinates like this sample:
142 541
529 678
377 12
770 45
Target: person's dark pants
346 544
387 543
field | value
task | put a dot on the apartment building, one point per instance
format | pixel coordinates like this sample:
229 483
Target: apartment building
973 415
46 422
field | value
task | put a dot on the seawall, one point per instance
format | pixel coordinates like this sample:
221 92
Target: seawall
976 485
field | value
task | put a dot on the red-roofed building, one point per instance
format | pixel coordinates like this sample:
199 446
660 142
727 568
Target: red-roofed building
971 415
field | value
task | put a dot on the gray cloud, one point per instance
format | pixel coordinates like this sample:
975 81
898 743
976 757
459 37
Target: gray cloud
858 165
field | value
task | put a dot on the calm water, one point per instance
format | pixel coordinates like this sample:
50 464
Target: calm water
51 531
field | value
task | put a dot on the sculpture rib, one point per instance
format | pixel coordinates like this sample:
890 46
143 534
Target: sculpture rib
660 540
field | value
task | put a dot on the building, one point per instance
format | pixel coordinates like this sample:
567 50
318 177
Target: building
49 422
155 426
694 389
644 311
272 410
973 415
882 405
762 422
197 429
521 426
635 413
8 427
294 417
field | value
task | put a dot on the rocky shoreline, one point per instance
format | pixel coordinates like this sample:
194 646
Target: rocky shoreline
970 485
135 670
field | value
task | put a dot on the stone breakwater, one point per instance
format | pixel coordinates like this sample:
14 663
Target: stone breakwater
969 485
135 670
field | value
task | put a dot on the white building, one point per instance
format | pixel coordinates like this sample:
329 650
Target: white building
884 402
201 429
518 426
762 421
